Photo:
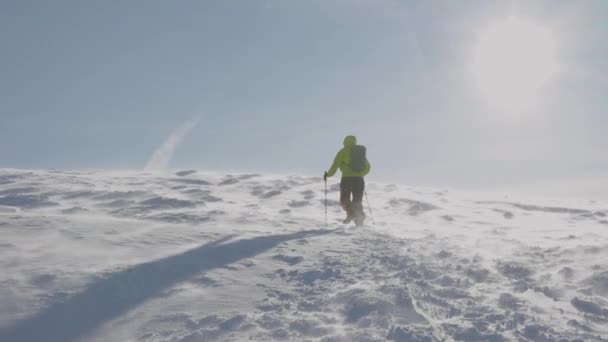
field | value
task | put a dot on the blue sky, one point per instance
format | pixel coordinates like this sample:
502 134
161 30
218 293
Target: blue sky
278 84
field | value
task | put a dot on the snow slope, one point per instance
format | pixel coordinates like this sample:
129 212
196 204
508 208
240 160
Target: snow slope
199 256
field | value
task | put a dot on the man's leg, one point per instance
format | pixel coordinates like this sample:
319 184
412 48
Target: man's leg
346 189
357 204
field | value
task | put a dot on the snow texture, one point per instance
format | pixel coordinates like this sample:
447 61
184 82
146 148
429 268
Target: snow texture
199 256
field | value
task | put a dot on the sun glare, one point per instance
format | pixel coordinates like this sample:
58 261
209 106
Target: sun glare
512 61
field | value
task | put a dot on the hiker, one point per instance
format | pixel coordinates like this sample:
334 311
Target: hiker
354 165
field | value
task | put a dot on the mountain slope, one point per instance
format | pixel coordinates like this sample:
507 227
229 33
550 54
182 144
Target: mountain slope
199 256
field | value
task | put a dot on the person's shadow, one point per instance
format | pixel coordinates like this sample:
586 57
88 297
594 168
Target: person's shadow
119 292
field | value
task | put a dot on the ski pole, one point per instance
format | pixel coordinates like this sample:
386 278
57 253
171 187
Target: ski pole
325 201
370 208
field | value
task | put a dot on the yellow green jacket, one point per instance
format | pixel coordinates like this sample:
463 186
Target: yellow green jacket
342 161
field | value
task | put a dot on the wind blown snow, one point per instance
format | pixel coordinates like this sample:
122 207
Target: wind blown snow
162 156
198 256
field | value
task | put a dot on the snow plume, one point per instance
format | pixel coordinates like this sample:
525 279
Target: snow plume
162 156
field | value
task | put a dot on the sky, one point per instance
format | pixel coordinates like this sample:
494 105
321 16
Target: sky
436 95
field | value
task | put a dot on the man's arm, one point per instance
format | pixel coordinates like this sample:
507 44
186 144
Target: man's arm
335 165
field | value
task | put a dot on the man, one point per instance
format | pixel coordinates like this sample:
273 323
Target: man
353 163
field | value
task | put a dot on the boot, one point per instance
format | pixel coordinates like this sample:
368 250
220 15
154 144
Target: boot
349 214
359 220
358 215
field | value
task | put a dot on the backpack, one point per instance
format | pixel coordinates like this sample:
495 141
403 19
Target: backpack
357 158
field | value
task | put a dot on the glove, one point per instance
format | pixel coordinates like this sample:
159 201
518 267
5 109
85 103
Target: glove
325 176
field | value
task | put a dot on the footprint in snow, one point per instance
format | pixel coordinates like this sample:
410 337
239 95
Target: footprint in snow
290 260
298 204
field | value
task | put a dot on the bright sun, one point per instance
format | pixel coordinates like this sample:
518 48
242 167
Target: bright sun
512 61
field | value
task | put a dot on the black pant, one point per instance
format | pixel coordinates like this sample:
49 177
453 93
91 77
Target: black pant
352 186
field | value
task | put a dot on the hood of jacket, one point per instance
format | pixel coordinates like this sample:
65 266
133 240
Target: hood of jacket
350 141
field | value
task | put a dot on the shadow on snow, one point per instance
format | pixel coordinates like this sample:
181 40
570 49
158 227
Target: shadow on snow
119 292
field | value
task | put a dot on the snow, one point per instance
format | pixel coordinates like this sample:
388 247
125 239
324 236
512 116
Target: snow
204 256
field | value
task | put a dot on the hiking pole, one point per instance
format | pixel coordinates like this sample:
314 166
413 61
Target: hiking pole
325 178
370 208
